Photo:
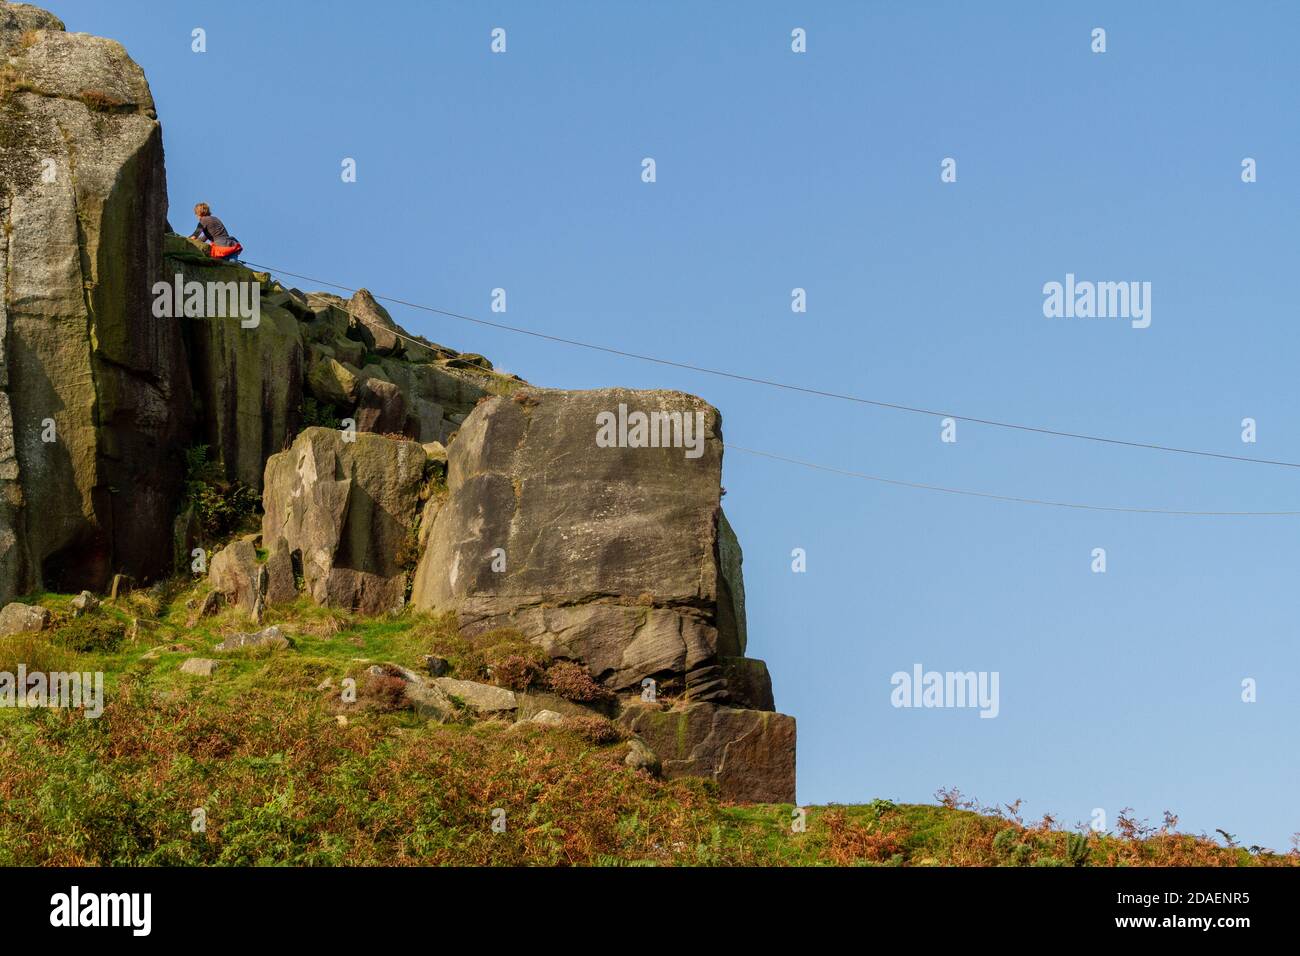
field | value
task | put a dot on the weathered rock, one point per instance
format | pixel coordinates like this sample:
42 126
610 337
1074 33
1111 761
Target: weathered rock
79 345
17 18
480 698
641 757
750 753
430 702
749 684
469 360
84 603
281 578
547 718
428 515
437 666
426 698
272 637
211 604
379 328
237 574
18 618
186 534
612 554
435 393
380 407
200 666
250 377
349 508
333 382
738 681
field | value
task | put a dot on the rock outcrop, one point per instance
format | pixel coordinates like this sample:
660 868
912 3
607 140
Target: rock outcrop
94 391
589 522
347 509
750 753
611 549
247 378
616 557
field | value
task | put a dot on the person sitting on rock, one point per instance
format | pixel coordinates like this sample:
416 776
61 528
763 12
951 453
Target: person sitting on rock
212 231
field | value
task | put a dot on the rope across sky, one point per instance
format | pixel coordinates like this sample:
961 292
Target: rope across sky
847 398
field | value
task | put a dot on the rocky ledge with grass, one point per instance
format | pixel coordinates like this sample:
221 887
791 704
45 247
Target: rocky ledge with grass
218 454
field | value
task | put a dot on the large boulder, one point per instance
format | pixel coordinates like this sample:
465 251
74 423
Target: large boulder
750 753
348 509
18 618
617 557
94 390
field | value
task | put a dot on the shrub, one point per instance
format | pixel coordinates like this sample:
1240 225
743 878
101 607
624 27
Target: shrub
1006 841
221 507
572 682
849 842
320 413
516 672
100 101
90 634
384 693
596 730
1077 849
11 81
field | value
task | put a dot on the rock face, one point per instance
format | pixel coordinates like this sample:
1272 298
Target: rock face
378 327
612 550
606 555
348 509
750 753
590 522
247 378
94 391
380 407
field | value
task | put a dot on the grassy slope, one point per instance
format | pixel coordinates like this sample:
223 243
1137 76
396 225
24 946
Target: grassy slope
282 781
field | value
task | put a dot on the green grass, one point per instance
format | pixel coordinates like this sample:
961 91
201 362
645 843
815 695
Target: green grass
282 781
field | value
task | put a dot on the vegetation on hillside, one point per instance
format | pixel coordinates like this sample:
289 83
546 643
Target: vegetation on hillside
261 754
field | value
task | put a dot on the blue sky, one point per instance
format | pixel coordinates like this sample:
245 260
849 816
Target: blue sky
820 170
